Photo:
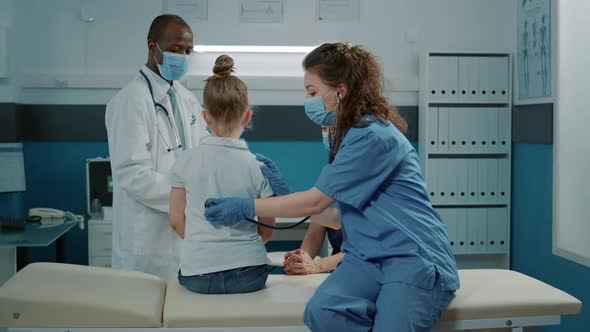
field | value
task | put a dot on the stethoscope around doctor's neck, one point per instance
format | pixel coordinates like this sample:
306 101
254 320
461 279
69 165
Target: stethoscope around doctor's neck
160 108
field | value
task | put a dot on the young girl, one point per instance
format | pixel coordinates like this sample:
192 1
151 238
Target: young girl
220 259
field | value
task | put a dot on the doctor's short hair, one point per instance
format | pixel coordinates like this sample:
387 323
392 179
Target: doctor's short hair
225 96
160 23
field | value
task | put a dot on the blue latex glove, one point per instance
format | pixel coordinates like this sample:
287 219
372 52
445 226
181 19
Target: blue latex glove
272 173
228 211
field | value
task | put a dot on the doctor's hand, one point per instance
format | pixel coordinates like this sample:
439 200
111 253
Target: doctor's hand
299 262
272 173
228 211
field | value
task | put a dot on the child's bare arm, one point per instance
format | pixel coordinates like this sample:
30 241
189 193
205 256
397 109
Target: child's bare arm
265 232
177 206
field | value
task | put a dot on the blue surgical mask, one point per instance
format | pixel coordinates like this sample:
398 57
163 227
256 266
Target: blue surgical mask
173 66
316 112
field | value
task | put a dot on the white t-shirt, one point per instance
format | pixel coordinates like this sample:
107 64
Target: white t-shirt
219 167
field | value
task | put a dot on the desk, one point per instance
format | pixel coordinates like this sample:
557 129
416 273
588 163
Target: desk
34 235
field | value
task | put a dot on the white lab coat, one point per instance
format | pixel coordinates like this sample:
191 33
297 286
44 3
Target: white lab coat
142 238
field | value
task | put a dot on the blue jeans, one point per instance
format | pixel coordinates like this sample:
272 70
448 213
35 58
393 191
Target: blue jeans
241 280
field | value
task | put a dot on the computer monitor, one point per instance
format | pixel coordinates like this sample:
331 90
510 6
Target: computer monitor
99 182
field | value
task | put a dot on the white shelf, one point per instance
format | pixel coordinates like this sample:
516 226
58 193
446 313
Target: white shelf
482 117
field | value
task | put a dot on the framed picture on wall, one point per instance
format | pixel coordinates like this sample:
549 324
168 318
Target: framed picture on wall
189 10
338 10
262 11
534 52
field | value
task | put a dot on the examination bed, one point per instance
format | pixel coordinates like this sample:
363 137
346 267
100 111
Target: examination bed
64 297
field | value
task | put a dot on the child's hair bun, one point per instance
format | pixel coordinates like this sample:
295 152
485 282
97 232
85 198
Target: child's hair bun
224 66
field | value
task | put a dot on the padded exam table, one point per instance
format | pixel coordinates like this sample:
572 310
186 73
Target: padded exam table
62 297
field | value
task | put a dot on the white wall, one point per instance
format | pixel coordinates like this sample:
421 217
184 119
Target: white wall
571 222
8 84
115 44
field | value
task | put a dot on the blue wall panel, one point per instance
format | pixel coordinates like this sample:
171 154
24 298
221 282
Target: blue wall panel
532 220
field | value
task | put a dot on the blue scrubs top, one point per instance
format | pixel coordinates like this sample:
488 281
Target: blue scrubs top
386 216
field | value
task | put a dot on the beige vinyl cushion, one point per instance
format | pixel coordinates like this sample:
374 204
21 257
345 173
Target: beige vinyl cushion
62 295
281 303
488 294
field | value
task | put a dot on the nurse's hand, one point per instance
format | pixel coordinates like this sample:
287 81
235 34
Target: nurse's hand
228 211
272 173
298 262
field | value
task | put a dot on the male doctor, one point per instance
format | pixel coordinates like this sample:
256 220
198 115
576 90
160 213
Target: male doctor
149 122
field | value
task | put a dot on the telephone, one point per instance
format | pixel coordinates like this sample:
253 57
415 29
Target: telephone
48 216
46 213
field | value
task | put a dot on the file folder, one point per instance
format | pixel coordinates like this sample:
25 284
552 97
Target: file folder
443 129
484 79
432 180
468 78
480 130
499 80
448 216
473 131
444 78
461 237
477 230
482 179
443 181
432 127
455 122
498 241
452 182
482 230
493 122
462 179
504 180
492 173
460 130
504 128
472 181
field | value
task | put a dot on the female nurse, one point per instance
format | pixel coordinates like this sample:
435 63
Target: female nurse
398 272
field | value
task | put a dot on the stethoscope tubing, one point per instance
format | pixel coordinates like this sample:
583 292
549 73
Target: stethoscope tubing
160 108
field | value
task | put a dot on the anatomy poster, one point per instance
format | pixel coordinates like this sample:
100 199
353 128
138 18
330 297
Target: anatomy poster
534 49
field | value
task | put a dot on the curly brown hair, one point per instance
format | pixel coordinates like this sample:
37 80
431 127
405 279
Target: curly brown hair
359 71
